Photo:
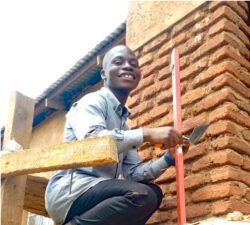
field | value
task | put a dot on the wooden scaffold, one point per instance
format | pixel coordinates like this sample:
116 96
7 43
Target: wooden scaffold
21 188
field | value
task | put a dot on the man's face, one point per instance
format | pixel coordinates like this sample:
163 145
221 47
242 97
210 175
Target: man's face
121 70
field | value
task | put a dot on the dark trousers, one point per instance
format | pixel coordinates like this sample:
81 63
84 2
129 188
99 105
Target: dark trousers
116 202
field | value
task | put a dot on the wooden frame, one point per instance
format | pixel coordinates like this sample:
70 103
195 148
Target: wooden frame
17 190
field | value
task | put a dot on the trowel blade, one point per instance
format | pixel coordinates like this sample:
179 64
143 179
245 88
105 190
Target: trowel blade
197 133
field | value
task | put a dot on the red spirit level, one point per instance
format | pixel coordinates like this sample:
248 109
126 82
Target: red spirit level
176 90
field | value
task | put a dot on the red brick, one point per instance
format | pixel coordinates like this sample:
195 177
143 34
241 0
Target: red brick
145 59
208 46
164 97
244 6
193 95
148 70
246 164
195 180
246 134
194 68
247 195
226 66
197 210
184 62
227 206
139 109
165 189
169 202
188 22
172 188
243 105
222 127
226 25
233 5
193 122
234 143
227 12
164 73
213 100
153 67
145 145
133 124
158 152
191 45
146 82
165 49
216 191
162 62
149 92
133 101
196 151
227 112
167 176
241 12
158 112
155 43
229 173
218 158
228 80
160 216
145 155
163 85
235 42
182 37
217 41
164 121
229 52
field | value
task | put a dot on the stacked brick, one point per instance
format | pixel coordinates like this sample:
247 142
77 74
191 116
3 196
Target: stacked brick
213 43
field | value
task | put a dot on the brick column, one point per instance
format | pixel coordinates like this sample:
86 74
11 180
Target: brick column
215 79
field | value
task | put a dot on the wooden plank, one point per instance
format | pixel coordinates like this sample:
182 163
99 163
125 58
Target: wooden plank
18 127
49 103
88 152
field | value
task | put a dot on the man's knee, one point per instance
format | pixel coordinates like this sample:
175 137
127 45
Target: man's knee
146 196
157 192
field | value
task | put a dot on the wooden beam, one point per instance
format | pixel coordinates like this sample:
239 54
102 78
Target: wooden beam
49 103
88 152
18 127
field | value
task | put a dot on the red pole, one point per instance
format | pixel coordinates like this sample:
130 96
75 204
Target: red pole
176 90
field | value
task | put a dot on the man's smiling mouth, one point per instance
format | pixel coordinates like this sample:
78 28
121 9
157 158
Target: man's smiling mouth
128 75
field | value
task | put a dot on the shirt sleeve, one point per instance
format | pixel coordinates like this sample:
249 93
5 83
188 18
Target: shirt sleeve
87 118
134 169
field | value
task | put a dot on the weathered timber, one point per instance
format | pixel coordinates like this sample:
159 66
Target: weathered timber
88 152
18 127
35 194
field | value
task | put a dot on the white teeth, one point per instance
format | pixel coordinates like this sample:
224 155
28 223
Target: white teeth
128 76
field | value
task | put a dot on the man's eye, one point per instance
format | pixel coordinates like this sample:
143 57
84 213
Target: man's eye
117 62
134 63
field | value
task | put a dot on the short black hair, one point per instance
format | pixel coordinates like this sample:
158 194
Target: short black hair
109 52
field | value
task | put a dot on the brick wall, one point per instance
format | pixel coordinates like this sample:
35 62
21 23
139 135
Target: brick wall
215 80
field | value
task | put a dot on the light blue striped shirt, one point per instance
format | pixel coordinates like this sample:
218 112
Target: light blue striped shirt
97 114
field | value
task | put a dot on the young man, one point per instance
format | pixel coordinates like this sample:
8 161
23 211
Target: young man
111 194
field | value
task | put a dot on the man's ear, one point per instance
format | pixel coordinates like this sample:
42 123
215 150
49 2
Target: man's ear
103 75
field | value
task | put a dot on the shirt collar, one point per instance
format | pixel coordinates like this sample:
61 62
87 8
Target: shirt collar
116 105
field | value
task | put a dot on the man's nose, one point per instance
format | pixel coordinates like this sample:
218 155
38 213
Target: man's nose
127 66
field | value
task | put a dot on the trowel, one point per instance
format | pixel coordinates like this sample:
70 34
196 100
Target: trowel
196 134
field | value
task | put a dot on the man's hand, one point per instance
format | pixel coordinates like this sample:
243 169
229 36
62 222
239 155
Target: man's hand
185 147
167 136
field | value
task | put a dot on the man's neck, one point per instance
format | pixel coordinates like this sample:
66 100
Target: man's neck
122 96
